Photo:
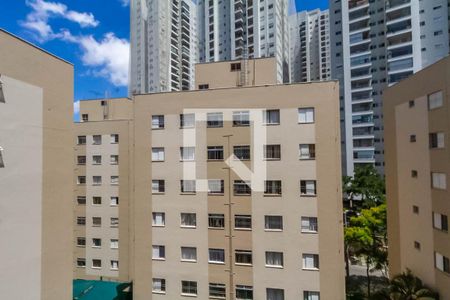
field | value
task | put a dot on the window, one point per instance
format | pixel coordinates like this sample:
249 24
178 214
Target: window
412 138
81 220
114 159
272 152
188 220
2 94
187 153
203 86
187 120
440 222
216 256
274 259
97 139
217 290
273 223
81 262
114 244
96 221
271 117
242 222
305 115
417 245
81 160
81 140
414 173
158 122
81 241
114 201
243 257
215 186
189 287
96 263
114 222
214 120
309 225
275 294
81 200
189 254
158 219
311 261
96 242
241 118
272 187
439 181
158 154
307 295
81 180
241 152
114 265
158 186
435 100
442 263
96 200
159 286
159 252
242 187
244 292
437 140
97 160
307 151
308 188
188 186
215 152
96 180
415 209
216 221
235 67
114 180
114 139
2 163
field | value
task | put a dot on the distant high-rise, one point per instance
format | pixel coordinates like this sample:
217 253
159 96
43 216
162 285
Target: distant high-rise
376 44
310 46
230 30
164 45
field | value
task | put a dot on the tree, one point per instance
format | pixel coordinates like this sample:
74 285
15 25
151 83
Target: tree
366 185
407 286
366 236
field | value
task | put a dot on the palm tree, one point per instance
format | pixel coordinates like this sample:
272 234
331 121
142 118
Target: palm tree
406 286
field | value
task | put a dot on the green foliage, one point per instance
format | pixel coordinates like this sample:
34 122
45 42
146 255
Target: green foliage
406 286
367 185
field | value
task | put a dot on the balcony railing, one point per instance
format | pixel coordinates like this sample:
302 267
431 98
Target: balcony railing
393 3
356 3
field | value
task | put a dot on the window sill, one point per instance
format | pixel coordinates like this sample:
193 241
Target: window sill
159 292
158 161
274 267
157 128
113 164
239 195
310 269
303 123
96 247
309 232
96 268
114 205
188 261
96 225
187 127
216 228
188 227
243 265
81 164
273 230
271 159
111 269
241 125
158 259
272 195
188 193
81 246
81 267
158 193
114 226
189 295
241 159
216 194
307 159
271 124
216 262
243 229
308 196
158 226
187 160
96 164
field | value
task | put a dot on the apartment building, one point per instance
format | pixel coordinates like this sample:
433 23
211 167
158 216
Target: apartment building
164 45
101 190
231 30
310 54
417 172
214 185
376 44
36 94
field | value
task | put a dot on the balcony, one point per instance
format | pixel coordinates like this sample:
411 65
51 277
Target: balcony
364 156
398 14
362 96
399 52
365 120
363 143
359 25
359 14
397 77
401 65
391 4
400 39
363 132
354 4
361 84
360 37
360 48
360 60
361 73
398 27
362 107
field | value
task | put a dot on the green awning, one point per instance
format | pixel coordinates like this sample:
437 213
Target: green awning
101 290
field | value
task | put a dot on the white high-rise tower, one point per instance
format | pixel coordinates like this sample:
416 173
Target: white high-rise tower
164 45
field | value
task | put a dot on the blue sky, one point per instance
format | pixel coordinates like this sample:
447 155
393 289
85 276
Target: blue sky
85 32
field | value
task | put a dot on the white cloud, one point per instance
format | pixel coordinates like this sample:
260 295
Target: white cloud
125 2
37 20
76 107
109 57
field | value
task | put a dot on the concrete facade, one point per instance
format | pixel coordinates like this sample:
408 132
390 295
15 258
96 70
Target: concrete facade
35 176
190 219
417 131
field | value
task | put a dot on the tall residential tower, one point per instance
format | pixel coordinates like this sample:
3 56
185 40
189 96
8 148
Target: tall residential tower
376 44
164 45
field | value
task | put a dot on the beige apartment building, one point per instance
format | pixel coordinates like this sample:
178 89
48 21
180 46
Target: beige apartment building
225 193
36 109
416 113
